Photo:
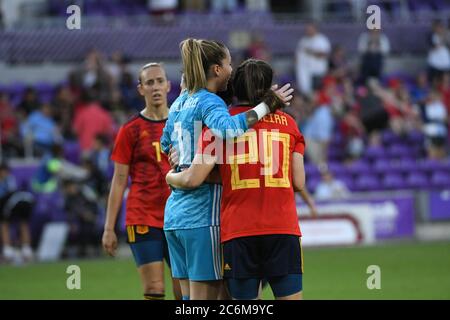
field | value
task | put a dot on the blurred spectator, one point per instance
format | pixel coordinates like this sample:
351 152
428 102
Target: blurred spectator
30 102
311 59
41 130
100 155
46 178
338 64
318 129
117 66
2 24
353 132
53 167
194 5
74 86
329 188
330 90
371 110
81 208
258 49
90 121
94 74
227 6
373 46
300 109
420 91
15 206
11 143
163 8
445 90
63 105
257 5
117 107
397 101
95 180
435 118
130 96
439 55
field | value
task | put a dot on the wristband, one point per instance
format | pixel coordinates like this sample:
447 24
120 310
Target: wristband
261 110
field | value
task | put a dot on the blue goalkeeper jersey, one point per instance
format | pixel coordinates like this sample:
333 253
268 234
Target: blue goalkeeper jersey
200 207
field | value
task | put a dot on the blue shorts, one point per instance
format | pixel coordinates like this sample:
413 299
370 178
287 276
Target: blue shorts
148 244
195 253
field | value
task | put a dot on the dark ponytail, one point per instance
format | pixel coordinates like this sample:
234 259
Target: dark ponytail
252 83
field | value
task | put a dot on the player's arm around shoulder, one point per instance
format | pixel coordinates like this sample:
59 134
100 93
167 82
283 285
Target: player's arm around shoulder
194 176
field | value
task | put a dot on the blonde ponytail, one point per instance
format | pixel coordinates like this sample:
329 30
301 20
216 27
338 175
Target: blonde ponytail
197 57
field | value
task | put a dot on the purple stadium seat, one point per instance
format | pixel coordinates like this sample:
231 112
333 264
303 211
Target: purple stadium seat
388 137
432 165
417 180
393 181
4 88
358 167
382 166
23 175
419 5
72 151
312 183
46 97
50 206
406 165
337 139
335 153
399 150
374 152
15 100
17 88
311 170
441 5
440 179
44 87
366 182
337 168
416 137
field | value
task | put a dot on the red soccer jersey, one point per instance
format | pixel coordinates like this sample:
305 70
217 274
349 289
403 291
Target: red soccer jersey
256 170
138 145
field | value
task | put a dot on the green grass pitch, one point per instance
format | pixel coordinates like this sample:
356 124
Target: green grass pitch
408 271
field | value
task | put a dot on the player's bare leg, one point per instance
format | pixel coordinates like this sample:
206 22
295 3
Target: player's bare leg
295 296
223 292
8 250
205 290
5 234
176 288
185 288
25 239
152 279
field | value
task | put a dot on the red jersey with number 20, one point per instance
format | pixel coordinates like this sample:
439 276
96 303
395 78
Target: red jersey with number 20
137 145
256 170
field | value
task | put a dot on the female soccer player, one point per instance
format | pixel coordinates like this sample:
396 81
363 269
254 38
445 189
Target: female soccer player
137 154
259 170
191 220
